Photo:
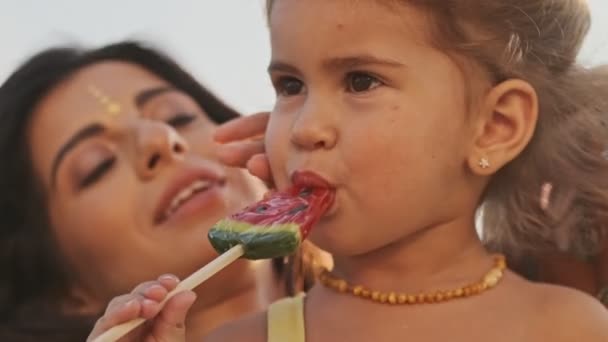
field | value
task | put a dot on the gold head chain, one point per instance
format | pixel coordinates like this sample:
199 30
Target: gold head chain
111 107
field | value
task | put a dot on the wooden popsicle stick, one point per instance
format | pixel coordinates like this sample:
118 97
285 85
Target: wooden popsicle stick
189 283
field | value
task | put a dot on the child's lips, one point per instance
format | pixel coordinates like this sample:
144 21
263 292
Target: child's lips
332 207
307 178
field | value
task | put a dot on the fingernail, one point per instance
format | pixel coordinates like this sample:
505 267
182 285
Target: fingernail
191 297
153 287
148 302
131 302
168 277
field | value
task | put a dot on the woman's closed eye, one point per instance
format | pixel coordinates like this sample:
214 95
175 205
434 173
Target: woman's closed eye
359 82
98 172
181 120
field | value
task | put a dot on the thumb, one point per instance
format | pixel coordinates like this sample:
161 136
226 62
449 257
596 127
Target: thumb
170 324
259 166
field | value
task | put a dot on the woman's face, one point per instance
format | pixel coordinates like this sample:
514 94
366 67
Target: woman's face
131 194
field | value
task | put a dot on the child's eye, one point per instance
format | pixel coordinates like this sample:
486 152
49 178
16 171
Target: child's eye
289 86
181 119
357 82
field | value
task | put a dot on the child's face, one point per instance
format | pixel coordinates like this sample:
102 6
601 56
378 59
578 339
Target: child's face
366 102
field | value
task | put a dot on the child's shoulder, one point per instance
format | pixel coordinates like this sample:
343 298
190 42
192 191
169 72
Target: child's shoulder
565 314
251 328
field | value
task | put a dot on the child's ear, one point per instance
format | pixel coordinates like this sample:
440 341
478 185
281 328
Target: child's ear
504 127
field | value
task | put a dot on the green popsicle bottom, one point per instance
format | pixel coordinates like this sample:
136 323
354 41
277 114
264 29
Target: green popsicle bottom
259 242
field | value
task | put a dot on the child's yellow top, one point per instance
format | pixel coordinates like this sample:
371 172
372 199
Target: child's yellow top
286 320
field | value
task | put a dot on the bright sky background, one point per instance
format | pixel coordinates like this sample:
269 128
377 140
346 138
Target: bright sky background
222 42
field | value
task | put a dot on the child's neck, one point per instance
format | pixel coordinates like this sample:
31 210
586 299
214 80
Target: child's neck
256 288
439 257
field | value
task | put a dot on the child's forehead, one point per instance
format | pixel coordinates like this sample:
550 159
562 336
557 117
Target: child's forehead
342 12
293 21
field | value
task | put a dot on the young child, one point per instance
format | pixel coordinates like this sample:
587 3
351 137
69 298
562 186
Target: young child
419 112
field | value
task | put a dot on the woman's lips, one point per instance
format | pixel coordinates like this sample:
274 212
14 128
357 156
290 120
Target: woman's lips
189 191
195 204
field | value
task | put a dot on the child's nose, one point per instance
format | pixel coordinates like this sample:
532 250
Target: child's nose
314 130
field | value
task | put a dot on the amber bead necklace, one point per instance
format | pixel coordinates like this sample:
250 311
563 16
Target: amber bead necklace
488 281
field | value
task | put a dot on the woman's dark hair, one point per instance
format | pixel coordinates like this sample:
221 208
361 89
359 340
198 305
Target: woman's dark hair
34 279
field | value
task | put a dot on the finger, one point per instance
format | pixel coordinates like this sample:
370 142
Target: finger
153 290
242 128
149 308
116 315
169 281
119 301
238 153
153 293
170 323
259 166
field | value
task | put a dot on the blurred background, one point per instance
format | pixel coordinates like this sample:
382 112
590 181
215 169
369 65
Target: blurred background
224 43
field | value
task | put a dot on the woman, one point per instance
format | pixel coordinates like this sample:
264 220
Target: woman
109 177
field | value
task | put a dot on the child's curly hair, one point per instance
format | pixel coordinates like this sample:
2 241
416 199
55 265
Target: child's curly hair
538 42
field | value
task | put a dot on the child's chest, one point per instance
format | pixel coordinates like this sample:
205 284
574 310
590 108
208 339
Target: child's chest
417 325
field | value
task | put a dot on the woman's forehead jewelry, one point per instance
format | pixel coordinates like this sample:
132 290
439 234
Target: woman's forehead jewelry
111 107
